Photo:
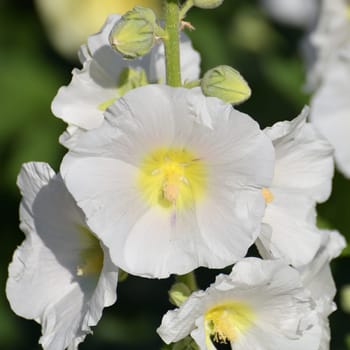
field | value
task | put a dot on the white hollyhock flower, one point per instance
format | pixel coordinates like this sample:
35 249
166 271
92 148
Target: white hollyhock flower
317 278
302 176
261 305
101 80
172 180
330 107
61 276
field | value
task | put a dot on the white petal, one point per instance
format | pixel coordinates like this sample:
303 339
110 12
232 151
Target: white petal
84 54
198 334
109 197
238 144
329 111
303 159
79 102
292 234
317 276
229 224
161 243
45 265
177 324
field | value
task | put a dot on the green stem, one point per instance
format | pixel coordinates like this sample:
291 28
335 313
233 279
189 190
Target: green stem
192 84
185 8
189 279
172 43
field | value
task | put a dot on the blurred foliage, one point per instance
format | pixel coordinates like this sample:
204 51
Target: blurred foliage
237 34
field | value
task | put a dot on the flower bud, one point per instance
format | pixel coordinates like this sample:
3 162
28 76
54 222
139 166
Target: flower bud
207 4
178 293
134 34
225 83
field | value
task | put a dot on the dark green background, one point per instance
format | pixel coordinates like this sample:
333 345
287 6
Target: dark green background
238 34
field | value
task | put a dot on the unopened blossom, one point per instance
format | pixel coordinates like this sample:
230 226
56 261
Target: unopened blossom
106 76
261 305
70 22
61 276
172 180
302 177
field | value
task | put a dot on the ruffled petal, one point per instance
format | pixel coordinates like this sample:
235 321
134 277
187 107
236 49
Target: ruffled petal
291 233
331 118
49 267
80 102
304 159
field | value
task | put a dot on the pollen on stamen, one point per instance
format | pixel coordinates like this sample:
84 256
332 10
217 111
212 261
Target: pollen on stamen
267 194
171 177
225 322
170 192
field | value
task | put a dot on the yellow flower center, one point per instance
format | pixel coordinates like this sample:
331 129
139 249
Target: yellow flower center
225 322
91 255
171 177
267 194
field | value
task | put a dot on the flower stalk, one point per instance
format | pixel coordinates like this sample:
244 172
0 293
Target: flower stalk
172 43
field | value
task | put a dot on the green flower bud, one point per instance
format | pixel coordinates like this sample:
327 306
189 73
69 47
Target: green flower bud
225 83
178 293
207 4
135 33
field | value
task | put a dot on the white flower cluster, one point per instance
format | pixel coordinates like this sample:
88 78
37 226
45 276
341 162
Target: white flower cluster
161 180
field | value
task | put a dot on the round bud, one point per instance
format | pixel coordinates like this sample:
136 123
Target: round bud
225 83
134 34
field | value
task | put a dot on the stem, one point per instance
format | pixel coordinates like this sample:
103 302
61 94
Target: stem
184 9
189 279
192 84
172 43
